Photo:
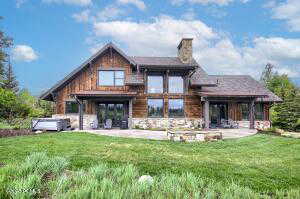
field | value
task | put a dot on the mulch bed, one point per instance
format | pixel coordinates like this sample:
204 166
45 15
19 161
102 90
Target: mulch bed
12 132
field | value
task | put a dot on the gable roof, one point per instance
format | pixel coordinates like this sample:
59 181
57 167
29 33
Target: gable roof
239 85
47 94
163 61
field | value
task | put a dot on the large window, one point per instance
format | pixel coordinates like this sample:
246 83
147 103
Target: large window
155 84
73 107
245 111
259 112
111 78
155 107
176 108
175 84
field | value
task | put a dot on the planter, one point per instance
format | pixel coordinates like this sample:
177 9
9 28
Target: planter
194 136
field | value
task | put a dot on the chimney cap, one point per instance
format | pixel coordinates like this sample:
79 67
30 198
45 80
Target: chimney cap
183 39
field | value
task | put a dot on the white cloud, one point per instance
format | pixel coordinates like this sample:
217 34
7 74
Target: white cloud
288 11
71 2
24 53
82 16
138 3
19 3
110 12
206 2
214 51
157 36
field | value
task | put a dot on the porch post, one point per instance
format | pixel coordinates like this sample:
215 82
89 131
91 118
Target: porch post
130 115
252 114
206 113
80 114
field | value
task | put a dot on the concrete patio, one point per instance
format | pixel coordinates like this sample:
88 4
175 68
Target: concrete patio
162 135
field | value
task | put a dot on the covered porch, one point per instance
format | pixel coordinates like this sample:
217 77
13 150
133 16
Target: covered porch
228 111
108 105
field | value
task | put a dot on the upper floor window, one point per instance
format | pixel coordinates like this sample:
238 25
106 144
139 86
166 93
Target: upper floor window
111 78
175 84
155 84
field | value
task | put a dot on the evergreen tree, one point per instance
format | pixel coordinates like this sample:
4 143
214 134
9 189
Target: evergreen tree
9 79
5 42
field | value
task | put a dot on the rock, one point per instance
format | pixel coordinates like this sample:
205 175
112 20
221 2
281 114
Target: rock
38 132
279 131
146 179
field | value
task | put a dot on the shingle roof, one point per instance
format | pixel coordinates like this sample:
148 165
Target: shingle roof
238 85
201 78
162 61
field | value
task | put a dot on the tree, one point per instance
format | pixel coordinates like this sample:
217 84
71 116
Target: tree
267 74
5 42
286 115
281 85
9 79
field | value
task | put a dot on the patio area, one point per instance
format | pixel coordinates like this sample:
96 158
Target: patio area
162 135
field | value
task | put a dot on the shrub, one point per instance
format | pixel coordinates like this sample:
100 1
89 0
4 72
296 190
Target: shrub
28 180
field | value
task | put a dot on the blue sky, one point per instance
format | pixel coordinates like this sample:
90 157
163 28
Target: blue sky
52 37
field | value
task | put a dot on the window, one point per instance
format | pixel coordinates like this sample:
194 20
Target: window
155 107
73 107
259 112
176 108
175 84
155 84
245 111
111 78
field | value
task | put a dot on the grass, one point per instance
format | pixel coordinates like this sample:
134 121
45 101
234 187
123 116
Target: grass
263 163
41 176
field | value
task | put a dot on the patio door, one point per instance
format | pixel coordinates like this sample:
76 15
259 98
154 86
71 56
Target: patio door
113 111
218 111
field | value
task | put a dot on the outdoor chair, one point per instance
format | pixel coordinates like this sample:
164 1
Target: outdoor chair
233 124
225 124
108 124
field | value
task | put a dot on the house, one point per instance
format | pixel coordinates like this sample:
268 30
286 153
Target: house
157 92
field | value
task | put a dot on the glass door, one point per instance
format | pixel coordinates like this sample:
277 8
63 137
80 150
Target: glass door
115 112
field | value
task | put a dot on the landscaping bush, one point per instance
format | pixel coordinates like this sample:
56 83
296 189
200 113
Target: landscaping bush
42 176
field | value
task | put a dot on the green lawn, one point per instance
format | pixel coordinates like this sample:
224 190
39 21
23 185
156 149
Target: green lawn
261 162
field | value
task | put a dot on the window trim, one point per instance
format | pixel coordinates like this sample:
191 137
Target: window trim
183 107
113 70
163 107
183 84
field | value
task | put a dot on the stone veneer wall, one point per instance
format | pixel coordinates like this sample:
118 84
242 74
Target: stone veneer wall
261 125
162 123
74 119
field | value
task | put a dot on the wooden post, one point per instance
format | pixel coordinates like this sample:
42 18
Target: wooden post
206 113
80 102
130 114
252 114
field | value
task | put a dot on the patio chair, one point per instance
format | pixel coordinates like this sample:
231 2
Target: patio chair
233 124
225 124
108 124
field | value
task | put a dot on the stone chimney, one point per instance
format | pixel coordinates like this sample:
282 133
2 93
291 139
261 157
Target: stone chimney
185 50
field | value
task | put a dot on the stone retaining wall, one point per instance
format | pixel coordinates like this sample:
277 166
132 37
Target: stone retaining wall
260 125
88 120
163 123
